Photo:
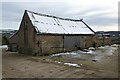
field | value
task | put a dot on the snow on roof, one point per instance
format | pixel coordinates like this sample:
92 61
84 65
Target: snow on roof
56 25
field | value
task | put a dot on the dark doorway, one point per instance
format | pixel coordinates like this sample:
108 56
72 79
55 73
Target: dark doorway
72 42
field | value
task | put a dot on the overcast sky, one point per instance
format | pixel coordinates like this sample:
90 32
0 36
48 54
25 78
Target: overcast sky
98 14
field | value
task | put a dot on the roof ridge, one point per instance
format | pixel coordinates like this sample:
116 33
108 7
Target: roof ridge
53 16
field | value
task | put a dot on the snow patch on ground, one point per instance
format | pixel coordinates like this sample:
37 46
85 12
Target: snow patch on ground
74 53
67 54
98 57
114 45
91 48
88 54
86 51
69 64
3 46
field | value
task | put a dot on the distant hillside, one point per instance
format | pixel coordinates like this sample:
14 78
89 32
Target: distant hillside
7 32
115 35
109 32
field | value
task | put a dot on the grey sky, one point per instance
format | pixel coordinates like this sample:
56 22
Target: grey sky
99 15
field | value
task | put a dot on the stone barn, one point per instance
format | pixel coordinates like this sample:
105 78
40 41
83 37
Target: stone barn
41 34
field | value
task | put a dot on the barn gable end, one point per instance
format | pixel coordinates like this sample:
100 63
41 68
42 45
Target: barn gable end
25 36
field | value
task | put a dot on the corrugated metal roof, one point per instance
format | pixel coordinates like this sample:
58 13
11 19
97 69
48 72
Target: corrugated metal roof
56 25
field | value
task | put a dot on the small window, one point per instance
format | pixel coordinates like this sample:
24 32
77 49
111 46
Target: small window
38 43
26 22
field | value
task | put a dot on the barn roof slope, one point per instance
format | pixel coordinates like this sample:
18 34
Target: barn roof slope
55 25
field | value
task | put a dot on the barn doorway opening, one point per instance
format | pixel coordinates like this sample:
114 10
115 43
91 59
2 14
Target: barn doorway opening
72 42
13 47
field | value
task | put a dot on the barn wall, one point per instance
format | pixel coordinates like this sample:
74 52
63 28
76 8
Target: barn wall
49 44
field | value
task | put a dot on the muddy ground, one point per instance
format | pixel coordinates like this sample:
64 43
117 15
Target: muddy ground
104 64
